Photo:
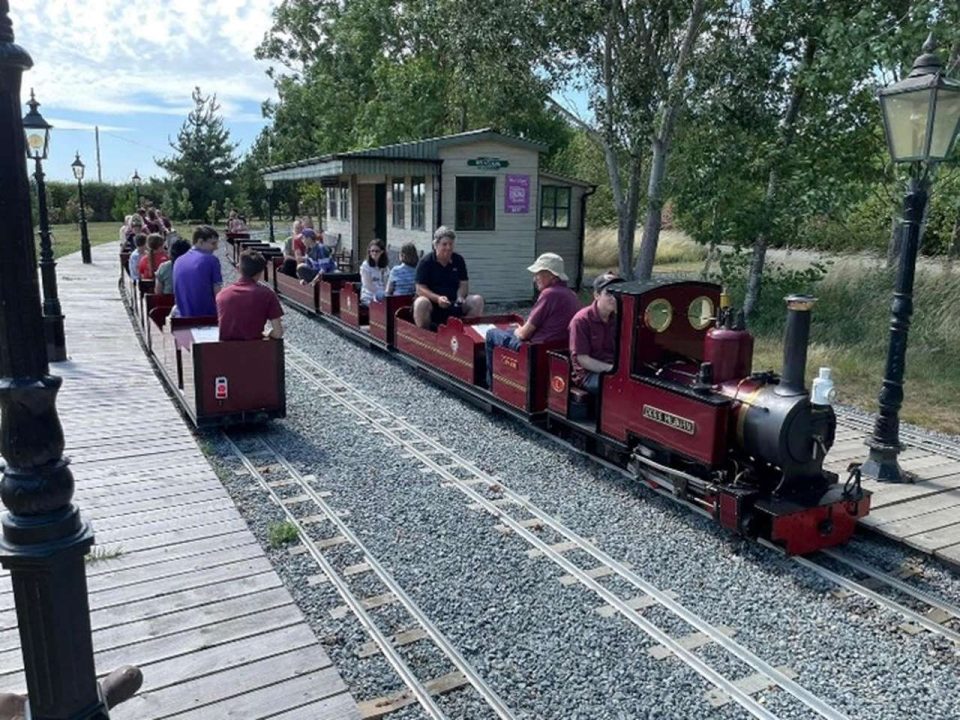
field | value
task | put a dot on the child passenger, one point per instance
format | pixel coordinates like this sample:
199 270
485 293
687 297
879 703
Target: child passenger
403 276
373 273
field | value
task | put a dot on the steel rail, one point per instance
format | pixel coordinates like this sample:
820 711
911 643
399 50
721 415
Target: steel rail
389 652
746 656
910 437
479 684
893 582
866 592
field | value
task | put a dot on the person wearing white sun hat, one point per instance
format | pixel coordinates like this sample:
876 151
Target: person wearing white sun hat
551 314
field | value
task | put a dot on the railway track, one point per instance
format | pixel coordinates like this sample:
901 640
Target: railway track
300 501
909 437
519 516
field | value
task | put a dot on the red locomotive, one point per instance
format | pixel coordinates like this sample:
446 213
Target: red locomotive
681 407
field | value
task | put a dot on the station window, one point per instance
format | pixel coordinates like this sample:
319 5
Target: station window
418 204
398 193
555 207
476 207
332 203
344 201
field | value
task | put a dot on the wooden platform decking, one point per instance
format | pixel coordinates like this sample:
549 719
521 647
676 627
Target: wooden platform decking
190 596
924 515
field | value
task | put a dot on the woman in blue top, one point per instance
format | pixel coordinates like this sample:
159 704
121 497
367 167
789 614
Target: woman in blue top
403 276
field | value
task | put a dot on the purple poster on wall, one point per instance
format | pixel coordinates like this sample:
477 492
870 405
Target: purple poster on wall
517 198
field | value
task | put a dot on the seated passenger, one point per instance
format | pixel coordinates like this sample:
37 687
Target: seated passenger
139 251
373 273
551 314
134 228
148 264
403 276
317 259
196 276
293 250
235 223
593 336
163 278
245 307
442 284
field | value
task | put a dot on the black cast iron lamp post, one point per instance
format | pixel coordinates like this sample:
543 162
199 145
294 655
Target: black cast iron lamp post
136 186
78 168
921 116
43 539
269 184
37 133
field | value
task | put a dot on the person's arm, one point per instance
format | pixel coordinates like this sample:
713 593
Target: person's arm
424 291
463 290
525 331
597 366
276 329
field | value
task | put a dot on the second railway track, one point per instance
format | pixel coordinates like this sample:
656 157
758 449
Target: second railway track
519 516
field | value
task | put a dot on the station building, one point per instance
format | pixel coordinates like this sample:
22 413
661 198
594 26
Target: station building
486 185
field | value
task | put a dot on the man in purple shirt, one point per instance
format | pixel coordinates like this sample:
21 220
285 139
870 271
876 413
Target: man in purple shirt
593 336
551 314
196 276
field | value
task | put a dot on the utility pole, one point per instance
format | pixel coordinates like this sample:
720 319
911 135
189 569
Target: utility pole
96 129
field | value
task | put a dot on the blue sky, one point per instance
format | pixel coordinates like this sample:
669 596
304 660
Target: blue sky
130 66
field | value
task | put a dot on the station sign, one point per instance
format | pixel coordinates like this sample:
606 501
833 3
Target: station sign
488 163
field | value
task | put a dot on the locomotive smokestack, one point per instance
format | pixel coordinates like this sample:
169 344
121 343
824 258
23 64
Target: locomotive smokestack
795 341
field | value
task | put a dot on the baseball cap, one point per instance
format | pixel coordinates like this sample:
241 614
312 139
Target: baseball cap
602 282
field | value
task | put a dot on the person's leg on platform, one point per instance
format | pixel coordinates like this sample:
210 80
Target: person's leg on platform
591 383
473 305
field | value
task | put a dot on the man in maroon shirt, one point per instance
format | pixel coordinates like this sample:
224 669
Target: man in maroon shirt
244 307
551 314
593 336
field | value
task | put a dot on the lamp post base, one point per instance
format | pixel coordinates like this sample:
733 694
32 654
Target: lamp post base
55 337
882 465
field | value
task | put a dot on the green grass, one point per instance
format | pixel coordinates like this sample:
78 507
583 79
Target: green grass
851 323
66 238
282 533
100 552
850 330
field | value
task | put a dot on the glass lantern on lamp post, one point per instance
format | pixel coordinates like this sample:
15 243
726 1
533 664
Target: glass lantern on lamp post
78 167
268 182
921 118
37 134
135 179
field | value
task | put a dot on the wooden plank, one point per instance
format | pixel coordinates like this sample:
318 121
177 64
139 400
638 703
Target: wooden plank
911 508
752 684
303 688
179 621
378 707
921 523
199 685
174 536
339 707
370 603
937 539
151 650
407 637
693 641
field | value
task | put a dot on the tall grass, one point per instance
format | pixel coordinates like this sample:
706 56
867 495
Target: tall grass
674 247
850 330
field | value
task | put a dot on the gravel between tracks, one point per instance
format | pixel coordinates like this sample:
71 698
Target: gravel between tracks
541 645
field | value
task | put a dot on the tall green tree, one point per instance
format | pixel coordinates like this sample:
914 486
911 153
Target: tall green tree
203 153
633 59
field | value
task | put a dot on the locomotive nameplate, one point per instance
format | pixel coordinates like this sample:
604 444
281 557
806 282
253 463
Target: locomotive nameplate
676 422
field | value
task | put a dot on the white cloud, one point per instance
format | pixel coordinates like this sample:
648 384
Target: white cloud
64 124
127 57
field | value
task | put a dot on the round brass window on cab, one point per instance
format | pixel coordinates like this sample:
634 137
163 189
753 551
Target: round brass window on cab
701 312
658 315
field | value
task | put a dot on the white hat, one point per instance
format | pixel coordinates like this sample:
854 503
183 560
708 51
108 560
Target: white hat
552 263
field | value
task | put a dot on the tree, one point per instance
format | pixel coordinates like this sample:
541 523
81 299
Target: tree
204 154
633 59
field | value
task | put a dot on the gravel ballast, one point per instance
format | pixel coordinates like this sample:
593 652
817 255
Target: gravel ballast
540 644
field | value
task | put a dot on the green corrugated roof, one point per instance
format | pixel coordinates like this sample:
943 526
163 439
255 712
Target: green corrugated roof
424 150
